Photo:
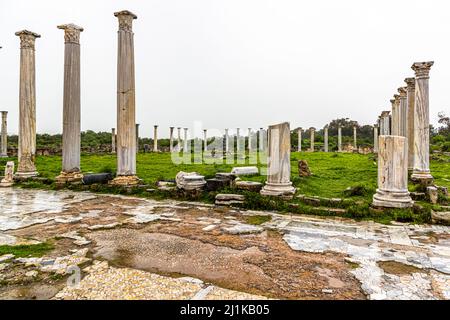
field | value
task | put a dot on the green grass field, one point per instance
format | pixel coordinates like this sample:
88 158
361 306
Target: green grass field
332 172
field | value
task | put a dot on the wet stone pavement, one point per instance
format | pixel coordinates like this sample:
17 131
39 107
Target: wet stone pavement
116 247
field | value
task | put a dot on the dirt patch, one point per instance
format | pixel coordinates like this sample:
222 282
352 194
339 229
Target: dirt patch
398 268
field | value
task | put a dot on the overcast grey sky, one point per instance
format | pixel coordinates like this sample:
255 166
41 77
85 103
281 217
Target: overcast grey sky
233 63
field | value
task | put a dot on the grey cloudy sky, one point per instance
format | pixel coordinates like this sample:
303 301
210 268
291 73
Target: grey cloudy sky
233 63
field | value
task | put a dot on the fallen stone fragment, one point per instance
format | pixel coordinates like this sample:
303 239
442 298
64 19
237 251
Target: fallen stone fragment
440 217
241 228
104 226
241 171
6 257
432 194
249 185
229 199
303 169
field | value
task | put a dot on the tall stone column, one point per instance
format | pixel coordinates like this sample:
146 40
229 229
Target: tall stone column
155 138
421 170
392 189
205 140
238 140
299 132
27 106
325 138
71 139
185 147
137 137
355 141
386 122
4 138
126 109
171 139
279 162
113 140
227 142
179 139
312 132
403 113
410 97
380 124
395 125
249 145
339 139
375 138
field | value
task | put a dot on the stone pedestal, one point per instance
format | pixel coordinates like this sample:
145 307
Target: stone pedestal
325 138
155 138
27 106
171 139
375 138
421 170
279 163
4 135
339 139
126 109
299 132
392 189
311 138
8 179
71 139
410 92
113 140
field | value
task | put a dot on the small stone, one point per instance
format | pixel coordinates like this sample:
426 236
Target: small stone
303 169
249 185
32 274
6 257
327 291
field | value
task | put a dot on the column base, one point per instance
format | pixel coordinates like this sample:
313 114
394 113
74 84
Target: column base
125 181
69 177
422 177
25 175
392 199
285 190
5 184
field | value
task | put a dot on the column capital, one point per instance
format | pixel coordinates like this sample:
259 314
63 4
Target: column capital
422 69
396 98
155 126
402 91
125 20
385 113
410 83
376 125
312 128
71 32
326 126
4 112
27 38
172 127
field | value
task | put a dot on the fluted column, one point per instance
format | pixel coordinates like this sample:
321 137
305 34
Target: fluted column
392 189
27 105
386 128
249 145
355 143
238 141
375 138
227 145
403 113
395 125
113 140
171 139
311 138
410 97
137 137
126 109
4 138
279 162
421 170
339 139
299 133
185 147
179 139
325 138
71 139
205 140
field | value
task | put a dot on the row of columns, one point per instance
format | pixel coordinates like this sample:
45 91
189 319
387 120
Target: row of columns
325 138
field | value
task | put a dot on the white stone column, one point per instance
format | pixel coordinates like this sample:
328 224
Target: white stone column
299 132
27 106
392 189
311 133
325 138
137 137
179 139
249 144
395 124
71 138
238 139
375 138
279 162
113 140
171 139
339 139
205 140
126 108
227 142
421 170
155 138
410 97
185 147
355 141
403 113
386 122
4 138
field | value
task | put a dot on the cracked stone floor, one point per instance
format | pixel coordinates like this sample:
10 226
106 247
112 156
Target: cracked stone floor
116 247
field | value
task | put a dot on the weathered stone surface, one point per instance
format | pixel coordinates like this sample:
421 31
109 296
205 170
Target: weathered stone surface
279 162
440 217
4 135
241 228
216 184
253 186
8 179
432 194
241 171
303 168
417 196
392 189
190 181
229 199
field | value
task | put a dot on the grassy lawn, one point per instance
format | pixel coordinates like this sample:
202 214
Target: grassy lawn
332 172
